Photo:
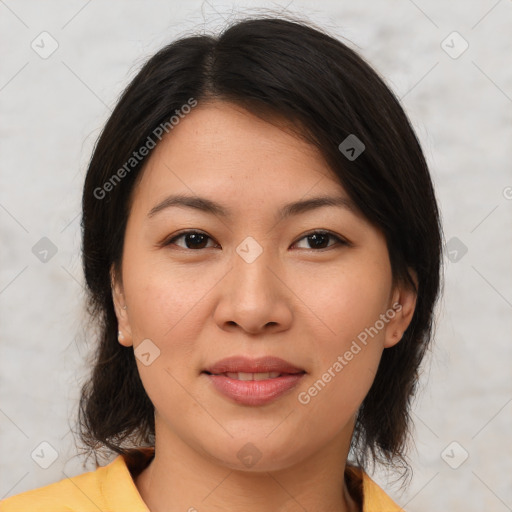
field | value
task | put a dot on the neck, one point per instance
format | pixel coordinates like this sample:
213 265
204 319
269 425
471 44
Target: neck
181 479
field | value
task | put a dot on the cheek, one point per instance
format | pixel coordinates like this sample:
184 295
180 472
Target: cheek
348 348
164 298
169 306
347 301
166 308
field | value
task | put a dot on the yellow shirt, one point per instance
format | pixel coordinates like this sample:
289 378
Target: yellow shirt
111 488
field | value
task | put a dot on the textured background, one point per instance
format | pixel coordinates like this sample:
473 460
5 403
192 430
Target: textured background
52 110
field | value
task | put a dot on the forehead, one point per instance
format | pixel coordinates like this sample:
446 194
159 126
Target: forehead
222 150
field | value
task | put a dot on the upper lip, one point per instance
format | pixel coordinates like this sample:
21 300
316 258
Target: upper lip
244 364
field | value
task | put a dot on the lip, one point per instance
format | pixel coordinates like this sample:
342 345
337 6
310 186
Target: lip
253 392
247 365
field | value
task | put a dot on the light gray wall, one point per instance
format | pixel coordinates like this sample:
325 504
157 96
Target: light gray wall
52 110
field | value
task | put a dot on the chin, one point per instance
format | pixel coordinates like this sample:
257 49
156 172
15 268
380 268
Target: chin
258 456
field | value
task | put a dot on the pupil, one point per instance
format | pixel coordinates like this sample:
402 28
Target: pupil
195 237
317 242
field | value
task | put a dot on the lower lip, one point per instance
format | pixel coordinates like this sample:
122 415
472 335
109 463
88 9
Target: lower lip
254 392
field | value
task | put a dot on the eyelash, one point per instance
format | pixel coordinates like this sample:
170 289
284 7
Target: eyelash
340 240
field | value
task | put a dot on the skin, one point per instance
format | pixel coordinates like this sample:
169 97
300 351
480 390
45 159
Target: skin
199 305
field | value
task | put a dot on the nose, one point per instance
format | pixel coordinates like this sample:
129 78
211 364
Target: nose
254 296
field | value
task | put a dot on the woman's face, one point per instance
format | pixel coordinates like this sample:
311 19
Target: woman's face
249 278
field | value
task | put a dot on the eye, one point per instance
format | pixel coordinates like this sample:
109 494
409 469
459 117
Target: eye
317 239
193 240
198 240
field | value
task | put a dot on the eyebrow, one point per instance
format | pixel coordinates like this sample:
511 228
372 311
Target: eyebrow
208 206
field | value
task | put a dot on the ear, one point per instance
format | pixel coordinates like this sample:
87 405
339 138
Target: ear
403 303
121 309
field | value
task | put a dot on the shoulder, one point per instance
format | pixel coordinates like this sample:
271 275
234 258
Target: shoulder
372 497
375 499
68 494
87 492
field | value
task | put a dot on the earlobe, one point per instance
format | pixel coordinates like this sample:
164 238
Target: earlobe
124 335
404 305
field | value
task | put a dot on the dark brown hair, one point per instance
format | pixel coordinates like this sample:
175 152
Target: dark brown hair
275 68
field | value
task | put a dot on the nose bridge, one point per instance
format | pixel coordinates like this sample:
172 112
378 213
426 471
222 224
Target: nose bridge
251 265
254 296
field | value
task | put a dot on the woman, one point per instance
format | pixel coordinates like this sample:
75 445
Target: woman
262 251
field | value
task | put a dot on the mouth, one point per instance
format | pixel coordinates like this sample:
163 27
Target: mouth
253 381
